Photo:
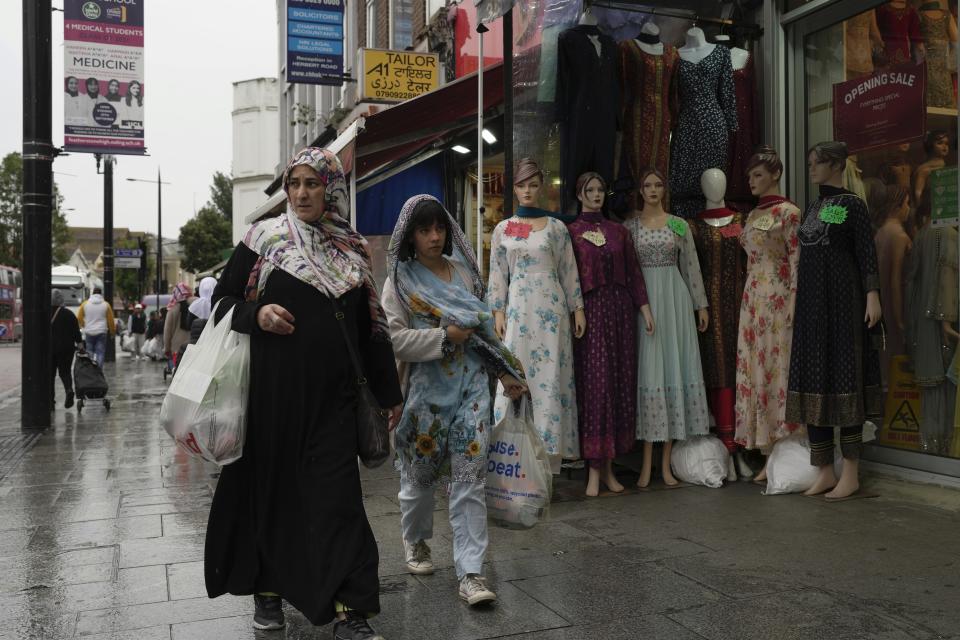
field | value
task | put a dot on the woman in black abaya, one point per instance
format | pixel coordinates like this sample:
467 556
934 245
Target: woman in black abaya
287 519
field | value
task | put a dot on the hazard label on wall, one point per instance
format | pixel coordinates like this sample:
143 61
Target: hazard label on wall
901 415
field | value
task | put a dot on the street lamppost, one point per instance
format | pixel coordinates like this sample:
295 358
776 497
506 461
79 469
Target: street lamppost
158 182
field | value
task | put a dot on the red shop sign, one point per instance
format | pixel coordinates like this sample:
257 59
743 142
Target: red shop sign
882 109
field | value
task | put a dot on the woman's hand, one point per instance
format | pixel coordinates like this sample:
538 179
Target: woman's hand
512 387
456 335
703 319
394 417
275 319
648 319
874 312
500 323
949 331
579 323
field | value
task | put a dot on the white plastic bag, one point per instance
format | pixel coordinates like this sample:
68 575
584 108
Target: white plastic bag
152 348
519 482
127 343
788 467
205 409
700 460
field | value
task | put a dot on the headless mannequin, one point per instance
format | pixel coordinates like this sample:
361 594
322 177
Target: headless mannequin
645 41
738 57
588 19
696 47
713 183
936 159
919 48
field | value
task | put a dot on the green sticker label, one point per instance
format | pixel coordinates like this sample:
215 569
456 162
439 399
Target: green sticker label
677 226
833 214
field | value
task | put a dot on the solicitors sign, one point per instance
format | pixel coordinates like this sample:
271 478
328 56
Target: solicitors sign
315 41
882 109
394 76
103 76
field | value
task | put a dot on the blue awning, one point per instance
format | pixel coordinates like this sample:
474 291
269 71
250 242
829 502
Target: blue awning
379 204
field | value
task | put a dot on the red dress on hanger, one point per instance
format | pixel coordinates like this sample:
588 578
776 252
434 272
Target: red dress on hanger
900 30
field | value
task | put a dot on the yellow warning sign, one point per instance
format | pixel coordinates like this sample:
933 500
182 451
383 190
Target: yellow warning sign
902 412
394 76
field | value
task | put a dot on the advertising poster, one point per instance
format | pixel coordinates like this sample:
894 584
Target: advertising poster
394 76
886 108
315 41
103 76
943 197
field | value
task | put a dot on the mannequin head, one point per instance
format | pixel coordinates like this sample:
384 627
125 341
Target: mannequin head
713 183
653 187
764 172
896 204
937 144
591 191
826 162
527 180
650 28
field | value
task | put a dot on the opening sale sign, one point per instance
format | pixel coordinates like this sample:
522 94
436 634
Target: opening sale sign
103 76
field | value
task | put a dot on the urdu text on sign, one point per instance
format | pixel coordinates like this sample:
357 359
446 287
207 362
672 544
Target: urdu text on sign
394 76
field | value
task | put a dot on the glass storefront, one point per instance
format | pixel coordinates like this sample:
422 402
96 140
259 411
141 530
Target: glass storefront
882 77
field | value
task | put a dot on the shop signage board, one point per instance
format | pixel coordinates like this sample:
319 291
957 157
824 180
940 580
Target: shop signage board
882 109
127 258
395 76
902 411
103 76
944 209
315 41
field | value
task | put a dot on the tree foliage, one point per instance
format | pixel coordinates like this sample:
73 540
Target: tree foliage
11 215
221 195
127 281
203 238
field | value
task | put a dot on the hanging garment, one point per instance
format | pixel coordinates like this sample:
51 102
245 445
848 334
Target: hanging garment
858 47
534 281
744 141
587 107
834 372
893 245
701 138
900 30
649 97
936 33
723 264
606 356
671 396
766 323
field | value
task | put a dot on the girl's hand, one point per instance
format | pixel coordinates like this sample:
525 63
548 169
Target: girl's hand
512 387
499 323
648 319
703 319
456 335
275 319
874 312
579 323
394 417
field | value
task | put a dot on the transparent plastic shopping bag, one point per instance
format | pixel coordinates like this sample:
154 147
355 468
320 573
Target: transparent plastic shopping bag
205 409
519 482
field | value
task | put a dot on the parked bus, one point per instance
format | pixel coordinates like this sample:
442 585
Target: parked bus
11 321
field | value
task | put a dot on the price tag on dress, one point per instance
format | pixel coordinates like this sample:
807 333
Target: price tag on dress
518 230
677 226
833 214
595 237
764 222
731 230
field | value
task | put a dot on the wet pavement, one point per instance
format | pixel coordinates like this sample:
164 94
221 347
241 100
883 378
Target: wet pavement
102 523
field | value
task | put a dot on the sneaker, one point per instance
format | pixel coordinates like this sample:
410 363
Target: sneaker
269 613
474 590
355 627
69 401
418 558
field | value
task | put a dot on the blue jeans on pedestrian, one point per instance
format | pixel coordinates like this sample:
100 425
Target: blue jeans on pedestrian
97 346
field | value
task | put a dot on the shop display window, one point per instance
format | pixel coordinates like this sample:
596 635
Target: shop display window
885 82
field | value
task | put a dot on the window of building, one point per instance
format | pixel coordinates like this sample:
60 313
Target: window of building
371 23
401 24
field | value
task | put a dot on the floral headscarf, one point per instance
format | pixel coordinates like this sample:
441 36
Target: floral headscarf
425 295
327 254
180 293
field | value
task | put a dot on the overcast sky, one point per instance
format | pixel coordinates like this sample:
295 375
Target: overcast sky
194 51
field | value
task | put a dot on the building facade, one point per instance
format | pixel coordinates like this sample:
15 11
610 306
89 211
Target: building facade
255 125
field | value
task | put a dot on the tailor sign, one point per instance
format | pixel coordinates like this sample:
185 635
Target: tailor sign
395 76
885 108
103 90
315 41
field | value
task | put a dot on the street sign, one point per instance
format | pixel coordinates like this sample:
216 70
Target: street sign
395 76
127 258
315 41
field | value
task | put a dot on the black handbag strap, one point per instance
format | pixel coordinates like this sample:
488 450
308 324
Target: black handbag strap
354 356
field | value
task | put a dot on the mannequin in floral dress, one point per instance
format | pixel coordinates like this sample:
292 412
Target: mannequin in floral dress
766 311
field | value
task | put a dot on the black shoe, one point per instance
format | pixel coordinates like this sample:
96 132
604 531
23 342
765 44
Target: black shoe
269 613
69 401
355 627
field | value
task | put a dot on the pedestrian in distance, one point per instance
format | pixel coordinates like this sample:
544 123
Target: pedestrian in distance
96 319
154 325
137 327
444 337
287 520
176 328
65 336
